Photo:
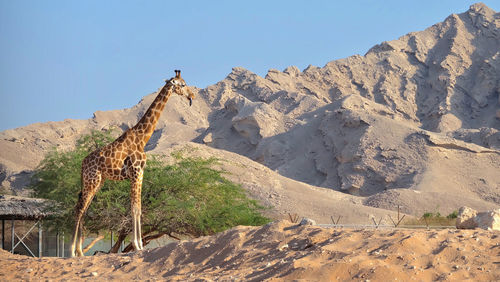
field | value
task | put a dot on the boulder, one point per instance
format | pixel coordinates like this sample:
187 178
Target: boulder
208 138
469 219
307 221
465 218
489 220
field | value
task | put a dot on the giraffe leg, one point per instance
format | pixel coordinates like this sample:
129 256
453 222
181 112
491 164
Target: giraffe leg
75 238
76 246
89 189
139 232
136 208
78 222
79 246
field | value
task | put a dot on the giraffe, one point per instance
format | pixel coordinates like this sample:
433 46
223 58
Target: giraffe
122 159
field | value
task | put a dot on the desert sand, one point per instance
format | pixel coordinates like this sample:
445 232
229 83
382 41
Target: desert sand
282 251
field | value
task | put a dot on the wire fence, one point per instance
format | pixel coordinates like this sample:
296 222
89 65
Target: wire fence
396 223
385 226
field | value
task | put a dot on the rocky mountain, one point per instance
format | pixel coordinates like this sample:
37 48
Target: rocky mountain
414 122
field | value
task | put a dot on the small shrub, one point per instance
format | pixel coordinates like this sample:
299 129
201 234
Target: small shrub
433 219
428 215
452 215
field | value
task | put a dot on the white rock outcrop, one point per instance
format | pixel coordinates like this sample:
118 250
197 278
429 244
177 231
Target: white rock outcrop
489 220
469 219
307 221
466 218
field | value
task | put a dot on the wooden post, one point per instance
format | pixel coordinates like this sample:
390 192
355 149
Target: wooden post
398 212
40 239
3 234
57 244
111 239
62 247
12 236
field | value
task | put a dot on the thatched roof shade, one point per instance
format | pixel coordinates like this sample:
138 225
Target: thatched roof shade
22 208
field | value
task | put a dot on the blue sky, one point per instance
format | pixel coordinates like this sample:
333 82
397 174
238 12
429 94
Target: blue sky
68 59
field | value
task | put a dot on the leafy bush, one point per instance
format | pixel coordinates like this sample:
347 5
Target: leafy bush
431 215
452 215
427 215
433 219
187 197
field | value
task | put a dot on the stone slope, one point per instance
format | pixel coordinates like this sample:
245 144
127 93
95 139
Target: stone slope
363 124
418 115
283 195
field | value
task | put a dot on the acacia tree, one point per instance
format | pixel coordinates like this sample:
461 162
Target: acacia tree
188 197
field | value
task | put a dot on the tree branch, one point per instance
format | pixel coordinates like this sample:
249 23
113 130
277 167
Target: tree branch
172 236
91 244
147 239
121 237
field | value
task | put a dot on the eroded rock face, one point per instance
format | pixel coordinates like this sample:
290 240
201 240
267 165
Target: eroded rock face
360 124
254 120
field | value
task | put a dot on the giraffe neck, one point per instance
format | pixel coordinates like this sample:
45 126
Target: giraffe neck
146 125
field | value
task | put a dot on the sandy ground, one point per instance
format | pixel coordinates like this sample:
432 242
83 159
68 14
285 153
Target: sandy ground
284 251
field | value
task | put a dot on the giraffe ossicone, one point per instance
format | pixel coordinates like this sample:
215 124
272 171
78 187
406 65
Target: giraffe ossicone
123 159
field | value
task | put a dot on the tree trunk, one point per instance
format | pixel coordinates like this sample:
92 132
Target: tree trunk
146 240
116 246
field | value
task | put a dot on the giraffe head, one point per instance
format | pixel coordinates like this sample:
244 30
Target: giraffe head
179 87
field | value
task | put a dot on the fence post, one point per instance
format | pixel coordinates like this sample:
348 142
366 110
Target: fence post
62 251
335 223
376 224
3 234
12 236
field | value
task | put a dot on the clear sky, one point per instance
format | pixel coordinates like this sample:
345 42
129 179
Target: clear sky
68 59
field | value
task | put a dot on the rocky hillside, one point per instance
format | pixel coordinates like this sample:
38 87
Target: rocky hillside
413 122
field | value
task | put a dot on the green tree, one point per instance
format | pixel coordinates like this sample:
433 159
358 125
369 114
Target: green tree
188 197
